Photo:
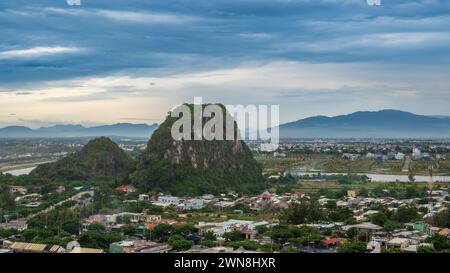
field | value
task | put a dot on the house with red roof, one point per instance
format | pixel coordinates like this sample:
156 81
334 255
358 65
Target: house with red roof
332 243
17 189
266 196
126 188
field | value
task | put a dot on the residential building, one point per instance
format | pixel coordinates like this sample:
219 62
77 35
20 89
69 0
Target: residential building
277 154
168 200
445 232
193 204
364 228
17 189
133 246
266 196
19 247
19 224
126 188
399 156
351 194
420 226
332 243
399 243
60 189
416 154
84 250
144 197
231 225
156 248
352 157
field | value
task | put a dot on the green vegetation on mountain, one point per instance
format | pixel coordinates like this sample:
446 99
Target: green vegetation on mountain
190 167
182 167
101 158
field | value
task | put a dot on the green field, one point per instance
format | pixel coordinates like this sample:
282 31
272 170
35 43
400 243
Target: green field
335 164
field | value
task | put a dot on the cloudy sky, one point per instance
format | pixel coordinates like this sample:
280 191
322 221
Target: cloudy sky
132 60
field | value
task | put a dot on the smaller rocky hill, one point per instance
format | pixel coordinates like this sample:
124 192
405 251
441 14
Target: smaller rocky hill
100 158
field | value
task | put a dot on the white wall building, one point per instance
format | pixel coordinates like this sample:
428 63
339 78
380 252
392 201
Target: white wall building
169 200
416 154
220 228
193 204
399 156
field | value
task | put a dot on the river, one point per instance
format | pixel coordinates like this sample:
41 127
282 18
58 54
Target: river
384 177
18 172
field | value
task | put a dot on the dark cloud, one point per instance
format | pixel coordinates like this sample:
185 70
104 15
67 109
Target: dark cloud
179 35
24 93
340 55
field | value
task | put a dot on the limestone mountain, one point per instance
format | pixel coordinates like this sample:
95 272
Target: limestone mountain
100 158
196 166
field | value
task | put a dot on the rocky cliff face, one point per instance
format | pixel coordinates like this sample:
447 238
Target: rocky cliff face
100 158
196 166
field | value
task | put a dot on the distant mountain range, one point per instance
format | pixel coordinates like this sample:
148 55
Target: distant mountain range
380 124
115 130
364 124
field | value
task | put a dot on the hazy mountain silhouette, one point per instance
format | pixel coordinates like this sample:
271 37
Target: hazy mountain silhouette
364 124
115 130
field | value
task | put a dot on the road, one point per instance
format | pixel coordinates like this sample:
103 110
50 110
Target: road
407 165
75 197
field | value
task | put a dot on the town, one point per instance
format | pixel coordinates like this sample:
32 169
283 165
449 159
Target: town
299 212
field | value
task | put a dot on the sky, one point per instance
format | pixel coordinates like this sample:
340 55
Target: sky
103 62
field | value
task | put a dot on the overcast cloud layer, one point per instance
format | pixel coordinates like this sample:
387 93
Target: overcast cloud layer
132 60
